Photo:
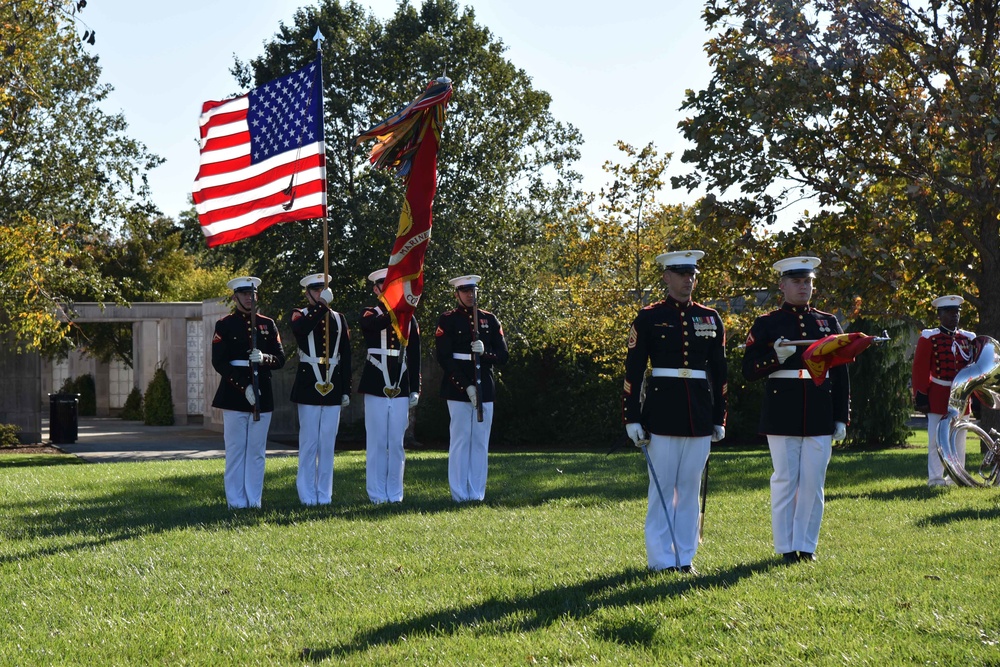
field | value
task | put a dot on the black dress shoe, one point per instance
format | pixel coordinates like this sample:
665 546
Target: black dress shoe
790 557
805 555
689 569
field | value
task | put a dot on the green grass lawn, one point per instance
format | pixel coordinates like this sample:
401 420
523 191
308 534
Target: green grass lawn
141 563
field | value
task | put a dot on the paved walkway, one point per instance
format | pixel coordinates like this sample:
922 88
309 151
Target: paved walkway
106 440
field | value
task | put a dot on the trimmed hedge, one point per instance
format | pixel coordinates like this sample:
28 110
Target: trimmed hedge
158 409
132 410
84 386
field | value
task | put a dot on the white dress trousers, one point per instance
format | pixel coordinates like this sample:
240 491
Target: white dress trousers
797 489
935 467
678 462
468 450
318 426
246 444
385 424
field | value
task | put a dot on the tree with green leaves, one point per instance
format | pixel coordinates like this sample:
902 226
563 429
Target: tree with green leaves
881 112
503 164
145 262
68 171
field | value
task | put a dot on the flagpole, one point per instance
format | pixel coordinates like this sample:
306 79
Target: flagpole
318 38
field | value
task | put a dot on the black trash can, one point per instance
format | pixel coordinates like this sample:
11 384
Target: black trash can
63 418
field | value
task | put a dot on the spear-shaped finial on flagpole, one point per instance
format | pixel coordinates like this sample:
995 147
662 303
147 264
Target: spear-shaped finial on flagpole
318 38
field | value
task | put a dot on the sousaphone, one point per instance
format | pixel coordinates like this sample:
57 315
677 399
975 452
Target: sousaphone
982 378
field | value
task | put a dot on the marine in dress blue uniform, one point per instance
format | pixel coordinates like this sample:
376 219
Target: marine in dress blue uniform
801 420
390 382
457 353
684 410
232 357
941 352
322 387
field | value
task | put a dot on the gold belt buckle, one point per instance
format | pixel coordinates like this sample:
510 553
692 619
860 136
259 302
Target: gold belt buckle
683 372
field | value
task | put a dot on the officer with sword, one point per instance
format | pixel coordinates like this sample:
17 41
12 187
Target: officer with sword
684 409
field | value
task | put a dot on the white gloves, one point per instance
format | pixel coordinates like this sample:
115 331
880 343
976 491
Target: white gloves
249 394
478 347
718 433
783 351
414 397
839 431
326 296
471 391
345 400
256 356
636 433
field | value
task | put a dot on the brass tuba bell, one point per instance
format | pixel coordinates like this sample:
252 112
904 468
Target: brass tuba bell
982 378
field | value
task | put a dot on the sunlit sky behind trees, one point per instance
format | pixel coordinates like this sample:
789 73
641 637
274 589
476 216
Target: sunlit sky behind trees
614 70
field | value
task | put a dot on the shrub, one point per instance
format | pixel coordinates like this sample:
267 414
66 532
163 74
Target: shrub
744 403
8 435
87 389
84 386
880 394
159 403
132 410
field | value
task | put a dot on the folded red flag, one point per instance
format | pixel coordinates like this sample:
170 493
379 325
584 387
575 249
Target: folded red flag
832 351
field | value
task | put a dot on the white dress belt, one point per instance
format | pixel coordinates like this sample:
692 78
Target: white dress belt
239 362
382 350
464 356
679 373
800 374
943 383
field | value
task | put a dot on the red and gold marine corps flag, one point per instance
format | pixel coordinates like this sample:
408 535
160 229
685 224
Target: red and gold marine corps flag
407 142
832 351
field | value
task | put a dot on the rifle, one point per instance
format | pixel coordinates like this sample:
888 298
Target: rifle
254 365
477 373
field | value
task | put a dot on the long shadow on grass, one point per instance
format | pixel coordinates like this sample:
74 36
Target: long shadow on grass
114 506
118 504
497 616
39 461
968 514
917 491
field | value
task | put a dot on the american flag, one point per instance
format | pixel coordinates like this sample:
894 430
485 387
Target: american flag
263 158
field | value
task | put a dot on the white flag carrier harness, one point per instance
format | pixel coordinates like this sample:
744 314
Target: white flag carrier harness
374 353
315 361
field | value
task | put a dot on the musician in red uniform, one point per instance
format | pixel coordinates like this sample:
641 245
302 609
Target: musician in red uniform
800 419
684 410
941 352
460 344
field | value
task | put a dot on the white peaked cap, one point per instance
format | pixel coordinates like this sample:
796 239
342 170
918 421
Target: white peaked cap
949 301
376 276
243 283
797 266
684 261
463 281
315 279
